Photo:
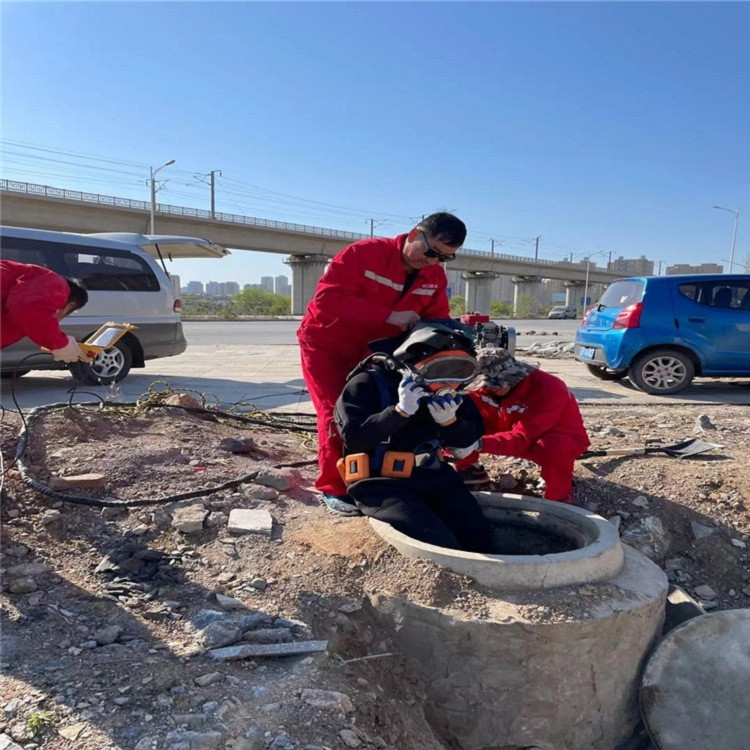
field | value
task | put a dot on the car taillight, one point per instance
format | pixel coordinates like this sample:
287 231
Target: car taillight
629 317
177 307
585 315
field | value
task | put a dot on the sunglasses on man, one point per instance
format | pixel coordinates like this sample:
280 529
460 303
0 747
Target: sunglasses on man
430 252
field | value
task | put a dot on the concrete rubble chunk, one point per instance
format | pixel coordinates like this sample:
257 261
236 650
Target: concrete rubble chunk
238 445
28 569
268 635
107 635
705 592
349 738
24 585
6 743
700 531
703 422
77 481
328 699
247 521
208 679
229 602
250 651
279 479
190 520
193 740
649 537
218 634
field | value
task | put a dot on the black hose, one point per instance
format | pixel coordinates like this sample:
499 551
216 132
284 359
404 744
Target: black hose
39 486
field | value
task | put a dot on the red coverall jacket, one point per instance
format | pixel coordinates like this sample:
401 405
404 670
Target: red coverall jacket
361 287
539 420
30 297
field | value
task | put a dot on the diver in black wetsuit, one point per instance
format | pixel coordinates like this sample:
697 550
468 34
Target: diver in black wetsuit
394 427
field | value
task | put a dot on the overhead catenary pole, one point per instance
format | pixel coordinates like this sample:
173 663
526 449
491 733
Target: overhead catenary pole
214 172
152 182
492 247
536 249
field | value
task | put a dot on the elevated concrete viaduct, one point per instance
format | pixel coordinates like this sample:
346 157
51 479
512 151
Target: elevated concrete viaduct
43 207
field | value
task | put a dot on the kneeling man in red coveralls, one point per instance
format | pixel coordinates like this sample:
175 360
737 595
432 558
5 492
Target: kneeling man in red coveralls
373 289
527 414
34 300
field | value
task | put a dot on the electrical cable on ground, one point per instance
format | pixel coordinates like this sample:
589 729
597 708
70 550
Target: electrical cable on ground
140 407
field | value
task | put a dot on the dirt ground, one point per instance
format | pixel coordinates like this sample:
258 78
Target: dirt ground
104 609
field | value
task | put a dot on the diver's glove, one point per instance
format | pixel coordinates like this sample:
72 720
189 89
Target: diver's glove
443 409
410 393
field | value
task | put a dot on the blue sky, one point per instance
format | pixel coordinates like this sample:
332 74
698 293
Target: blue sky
601 127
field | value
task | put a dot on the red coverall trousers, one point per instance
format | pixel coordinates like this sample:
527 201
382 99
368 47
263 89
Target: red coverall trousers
327 370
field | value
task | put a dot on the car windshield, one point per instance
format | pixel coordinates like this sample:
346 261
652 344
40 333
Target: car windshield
622 294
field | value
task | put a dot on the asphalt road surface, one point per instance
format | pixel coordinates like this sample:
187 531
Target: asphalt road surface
282 332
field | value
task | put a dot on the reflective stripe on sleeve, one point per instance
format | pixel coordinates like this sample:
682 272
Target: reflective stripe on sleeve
383 280
425 292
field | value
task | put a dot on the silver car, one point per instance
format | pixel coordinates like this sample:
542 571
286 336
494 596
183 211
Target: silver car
125 284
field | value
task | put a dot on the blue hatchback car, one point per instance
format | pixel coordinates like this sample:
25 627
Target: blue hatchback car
662 331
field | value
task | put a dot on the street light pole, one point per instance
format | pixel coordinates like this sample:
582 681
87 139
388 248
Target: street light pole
586 285
736 215
153 192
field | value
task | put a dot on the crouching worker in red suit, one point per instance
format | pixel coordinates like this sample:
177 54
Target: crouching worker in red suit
528 414
394 426
373 289
34 301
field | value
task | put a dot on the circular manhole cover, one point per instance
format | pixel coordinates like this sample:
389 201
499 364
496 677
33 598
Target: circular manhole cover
696 685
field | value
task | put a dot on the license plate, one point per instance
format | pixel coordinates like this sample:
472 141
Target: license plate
586 352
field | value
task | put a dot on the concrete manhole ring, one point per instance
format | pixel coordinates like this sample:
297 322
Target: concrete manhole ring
592 549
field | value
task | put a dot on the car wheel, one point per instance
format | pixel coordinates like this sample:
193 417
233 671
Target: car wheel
604 373
662 371
9 374
111 366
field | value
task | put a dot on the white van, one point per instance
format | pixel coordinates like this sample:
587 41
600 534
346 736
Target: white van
125 284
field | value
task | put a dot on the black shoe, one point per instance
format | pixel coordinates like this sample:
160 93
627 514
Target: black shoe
474 475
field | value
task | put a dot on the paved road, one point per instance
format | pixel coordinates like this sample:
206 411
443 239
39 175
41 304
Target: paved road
231 362
273 332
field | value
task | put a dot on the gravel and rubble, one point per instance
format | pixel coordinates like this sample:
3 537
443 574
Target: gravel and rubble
112 617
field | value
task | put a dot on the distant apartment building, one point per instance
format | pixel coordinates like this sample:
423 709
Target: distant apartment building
281 286
246 287
230 287
632 266
266 283
687 268
175 279
194 287
213 289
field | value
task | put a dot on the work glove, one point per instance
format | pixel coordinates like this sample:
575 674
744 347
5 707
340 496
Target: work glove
410 393
459 453
444 408
71 352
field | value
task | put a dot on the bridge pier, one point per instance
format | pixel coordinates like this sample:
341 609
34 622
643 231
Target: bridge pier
306 272
523 285
573 290
479 290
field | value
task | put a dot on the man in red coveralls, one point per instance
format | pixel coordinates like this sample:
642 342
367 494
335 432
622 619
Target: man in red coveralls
528 414
373 289
34 300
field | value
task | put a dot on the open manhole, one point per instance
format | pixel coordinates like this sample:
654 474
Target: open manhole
537 544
